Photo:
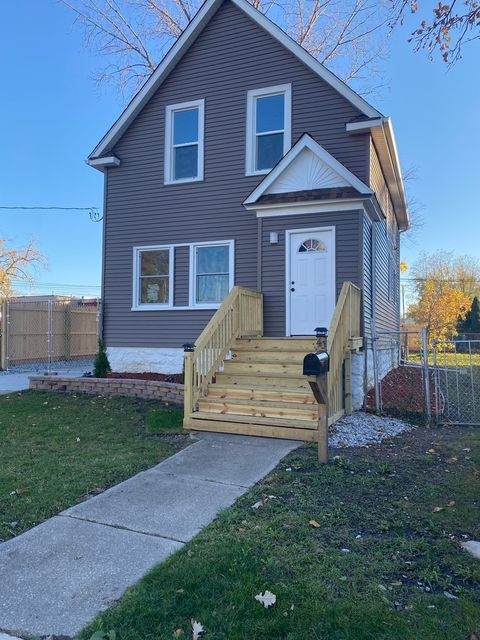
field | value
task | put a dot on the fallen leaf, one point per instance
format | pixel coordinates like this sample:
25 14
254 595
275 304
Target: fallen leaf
267 598
197 629
451 503
437 509
396 583
257 504
431 451
19 491
452 460
314 523
450 596
178 633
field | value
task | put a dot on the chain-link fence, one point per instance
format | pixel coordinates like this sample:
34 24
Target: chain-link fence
409 376
399 378
456 365
48 334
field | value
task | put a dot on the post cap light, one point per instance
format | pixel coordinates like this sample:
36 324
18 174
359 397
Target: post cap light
188 346
321 332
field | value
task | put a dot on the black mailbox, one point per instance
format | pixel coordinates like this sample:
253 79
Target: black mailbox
316 364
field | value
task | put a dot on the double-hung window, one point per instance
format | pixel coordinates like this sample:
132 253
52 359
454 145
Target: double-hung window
184 142
153 277
211 267
268 127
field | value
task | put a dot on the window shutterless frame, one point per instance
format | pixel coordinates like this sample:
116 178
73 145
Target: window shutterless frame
193 271
251 143
171 146
137 305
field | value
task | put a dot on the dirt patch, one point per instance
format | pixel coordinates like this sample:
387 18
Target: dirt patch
177 378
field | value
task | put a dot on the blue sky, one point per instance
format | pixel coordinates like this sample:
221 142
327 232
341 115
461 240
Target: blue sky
52 114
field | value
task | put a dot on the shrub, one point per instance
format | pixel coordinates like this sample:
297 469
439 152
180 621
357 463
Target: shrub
101 366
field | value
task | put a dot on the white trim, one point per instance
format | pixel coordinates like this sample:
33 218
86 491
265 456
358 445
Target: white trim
192 274
136 304
362 126
252 95
383 136
191 32
107 161
288 233
293 209
170 110
307 142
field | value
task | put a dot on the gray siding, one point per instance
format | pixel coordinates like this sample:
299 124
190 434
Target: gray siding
231 56
367 275
348 225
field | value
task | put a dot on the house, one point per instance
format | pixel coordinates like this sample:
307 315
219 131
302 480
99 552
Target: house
244 163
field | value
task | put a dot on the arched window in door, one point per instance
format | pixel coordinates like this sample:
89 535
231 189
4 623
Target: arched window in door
312 244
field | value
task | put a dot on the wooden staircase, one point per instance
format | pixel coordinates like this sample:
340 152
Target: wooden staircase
237 381
261 390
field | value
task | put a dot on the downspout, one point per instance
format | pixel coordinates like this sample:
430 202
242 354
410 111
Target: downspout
374 318
102 283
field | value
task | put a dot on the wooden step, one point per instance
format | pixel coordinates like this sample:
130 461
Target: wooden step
250 429
262 368
273 381
270 357
240 392
276 344
258 420
259 408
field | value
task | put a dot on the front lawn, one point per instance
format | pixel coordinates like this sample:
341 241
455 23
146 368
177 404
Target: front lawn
366 548
58 449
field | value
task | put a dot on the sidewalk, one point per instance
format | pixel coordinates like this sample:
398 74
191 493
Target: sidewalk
59 575
10 382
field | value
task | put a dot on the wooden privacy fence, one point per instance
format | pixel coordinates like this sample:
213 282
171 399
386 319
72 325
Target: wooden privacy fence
48 331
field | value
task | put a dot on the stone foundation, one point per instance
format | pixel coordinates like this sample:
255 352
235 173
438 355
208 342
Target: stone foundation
148 389
142 359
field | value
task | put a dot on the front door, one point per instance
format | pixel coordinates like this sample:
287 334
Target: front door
310 280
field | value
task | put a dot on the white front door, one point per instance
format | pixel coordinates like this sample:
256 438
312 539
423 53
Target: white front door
310 280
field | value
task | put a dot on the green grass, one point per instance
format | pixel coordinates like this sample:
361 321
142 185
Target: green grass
389 586
59 449
449 359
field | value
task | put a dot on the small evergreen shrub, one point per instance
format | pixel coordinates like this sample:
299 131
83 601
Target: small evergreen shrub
101 366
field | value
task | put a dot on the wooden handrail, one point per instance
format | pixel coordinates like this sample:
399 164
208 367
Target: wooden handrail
240 315
344 326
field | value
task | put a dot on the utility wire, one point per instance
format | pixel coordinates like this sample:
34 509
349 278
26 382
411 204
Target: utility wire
94 212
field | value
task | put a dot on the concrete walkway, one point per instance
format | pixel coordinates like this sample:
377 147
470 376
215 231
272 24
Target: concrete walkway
11 382
56 577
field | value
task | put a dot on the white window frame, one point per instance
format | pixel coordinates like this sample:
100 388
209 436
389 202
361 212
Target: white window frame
136 304
169 148
193 275
252 95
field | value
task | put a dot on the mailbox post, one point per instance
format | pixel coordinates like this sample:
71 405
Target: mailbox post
315 367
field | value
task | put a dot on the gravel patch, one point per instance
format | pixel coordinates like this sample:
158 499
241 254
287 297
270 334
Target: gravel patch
363 429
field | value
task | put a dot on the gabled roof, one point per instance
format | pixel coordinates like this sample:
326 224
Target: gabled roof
193 30
307 167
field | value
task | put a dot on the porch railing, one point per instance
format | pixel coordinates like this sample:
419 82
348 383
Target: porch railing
239 316
345 326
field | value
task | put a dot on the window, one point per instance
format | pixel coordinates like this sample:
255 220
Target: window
184 142
268 127
153 271
312 245
211 273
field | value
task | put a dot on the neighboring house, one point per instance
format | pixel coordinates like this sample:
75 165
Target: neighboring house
244 161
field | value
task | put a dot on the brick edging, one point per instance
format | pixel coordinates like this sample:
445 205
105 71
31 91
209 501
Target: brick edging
149 389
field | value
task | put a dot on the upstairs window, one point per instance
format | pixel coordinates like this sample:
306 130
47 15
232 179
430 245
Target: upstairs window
268 127
184 142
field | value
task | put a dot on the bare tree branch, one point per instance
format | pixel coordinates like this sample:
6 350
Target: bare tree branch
133 35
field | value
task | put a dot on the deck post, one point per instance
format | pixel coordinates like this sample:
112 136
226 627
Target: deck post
188 380
348 383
